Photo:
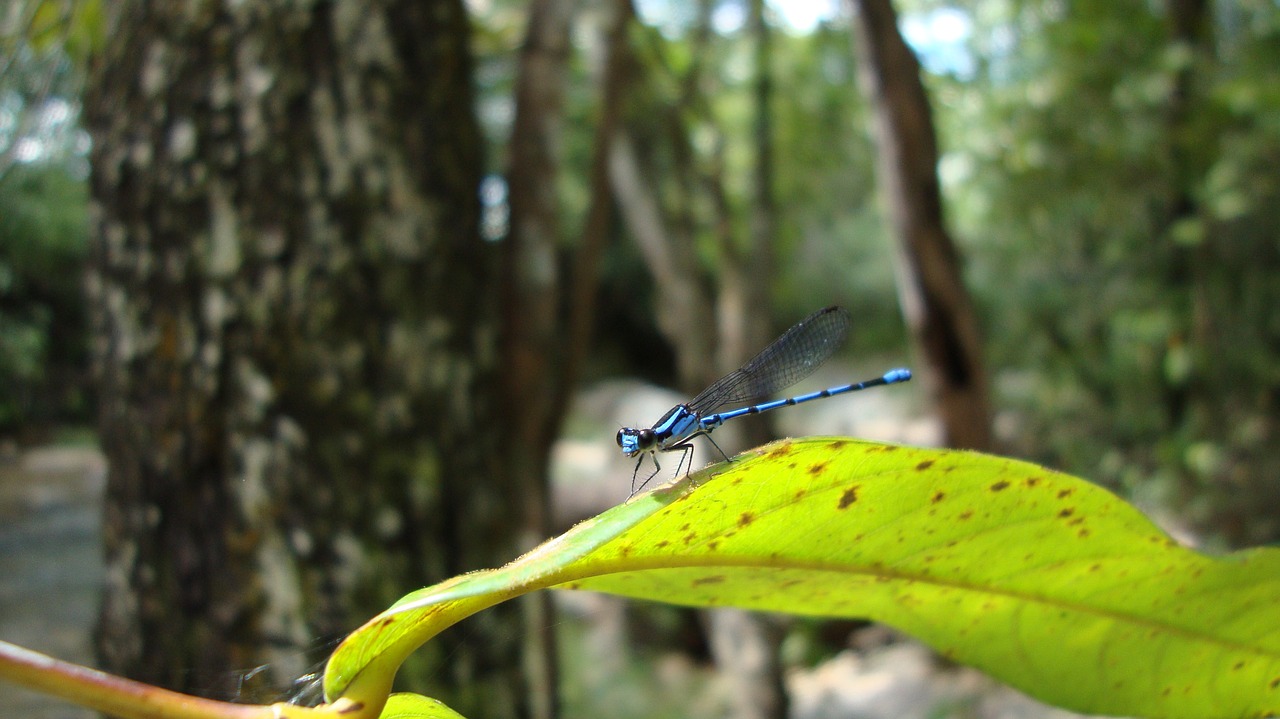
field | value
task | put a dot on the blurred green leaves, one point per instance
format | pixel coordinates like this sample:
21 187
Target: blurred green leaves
43 345
1122 217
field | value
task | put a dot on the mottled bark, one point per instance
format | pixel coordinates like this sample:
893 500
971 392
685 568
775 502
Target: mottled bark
938 307
294 339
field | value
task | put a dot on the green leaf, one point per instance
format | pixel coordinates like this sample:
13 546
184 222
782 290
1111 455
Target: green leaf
75 26
1044 581
415 706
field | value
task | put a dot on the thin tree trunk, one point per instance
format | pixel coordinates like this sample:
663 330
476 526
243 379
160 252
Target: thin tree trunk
293 337
1188 29
532 280
938 308
534 344
683 309
746 275
746 645
615 81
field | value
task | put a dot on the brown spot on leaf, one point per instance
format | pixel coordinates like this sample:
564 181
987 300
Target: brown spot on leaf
713 545
745 519
1237 666
1033 481
818 468
966 514
713 579
781 450
938 496
837 444
1000 486
1274 683
849 497
1082 533
924 465
663 544
800 493
1064 493
1066 512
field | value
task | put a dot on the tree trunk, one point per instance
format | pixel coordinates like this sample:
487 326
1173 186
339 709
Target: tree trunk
938 307
746 275
747 645
1189 32
294 340
682 309
534 342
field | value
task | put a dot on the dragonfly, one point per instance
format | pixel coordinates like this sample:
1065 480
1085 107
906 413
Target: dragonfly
787 360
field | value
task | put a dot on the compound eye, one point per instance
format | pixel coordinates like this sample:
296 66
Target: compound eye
621 433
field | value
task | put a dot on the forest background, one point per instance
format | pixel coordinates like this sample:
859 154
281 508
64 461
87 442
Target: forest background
645 191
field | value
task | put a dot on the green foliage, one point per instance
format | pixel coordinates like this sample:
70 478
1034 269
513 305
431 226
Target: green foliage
1118 191
689 108
43 344
1043 580
1114 189
73 26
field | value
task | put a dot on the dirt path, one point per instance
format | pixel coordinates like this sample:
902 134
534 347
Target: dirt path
50 564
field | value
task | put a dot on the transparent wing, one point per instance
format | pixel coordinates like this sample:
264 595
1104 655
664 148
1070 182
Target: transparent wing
789 359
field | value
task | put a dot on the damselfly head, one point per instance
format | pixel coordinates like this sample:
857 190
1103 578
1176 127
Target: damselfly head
635 441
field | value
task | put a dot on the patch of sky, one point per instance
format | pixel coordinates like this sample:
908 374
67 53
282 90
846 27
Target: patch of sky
938 35
940 38
495 217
